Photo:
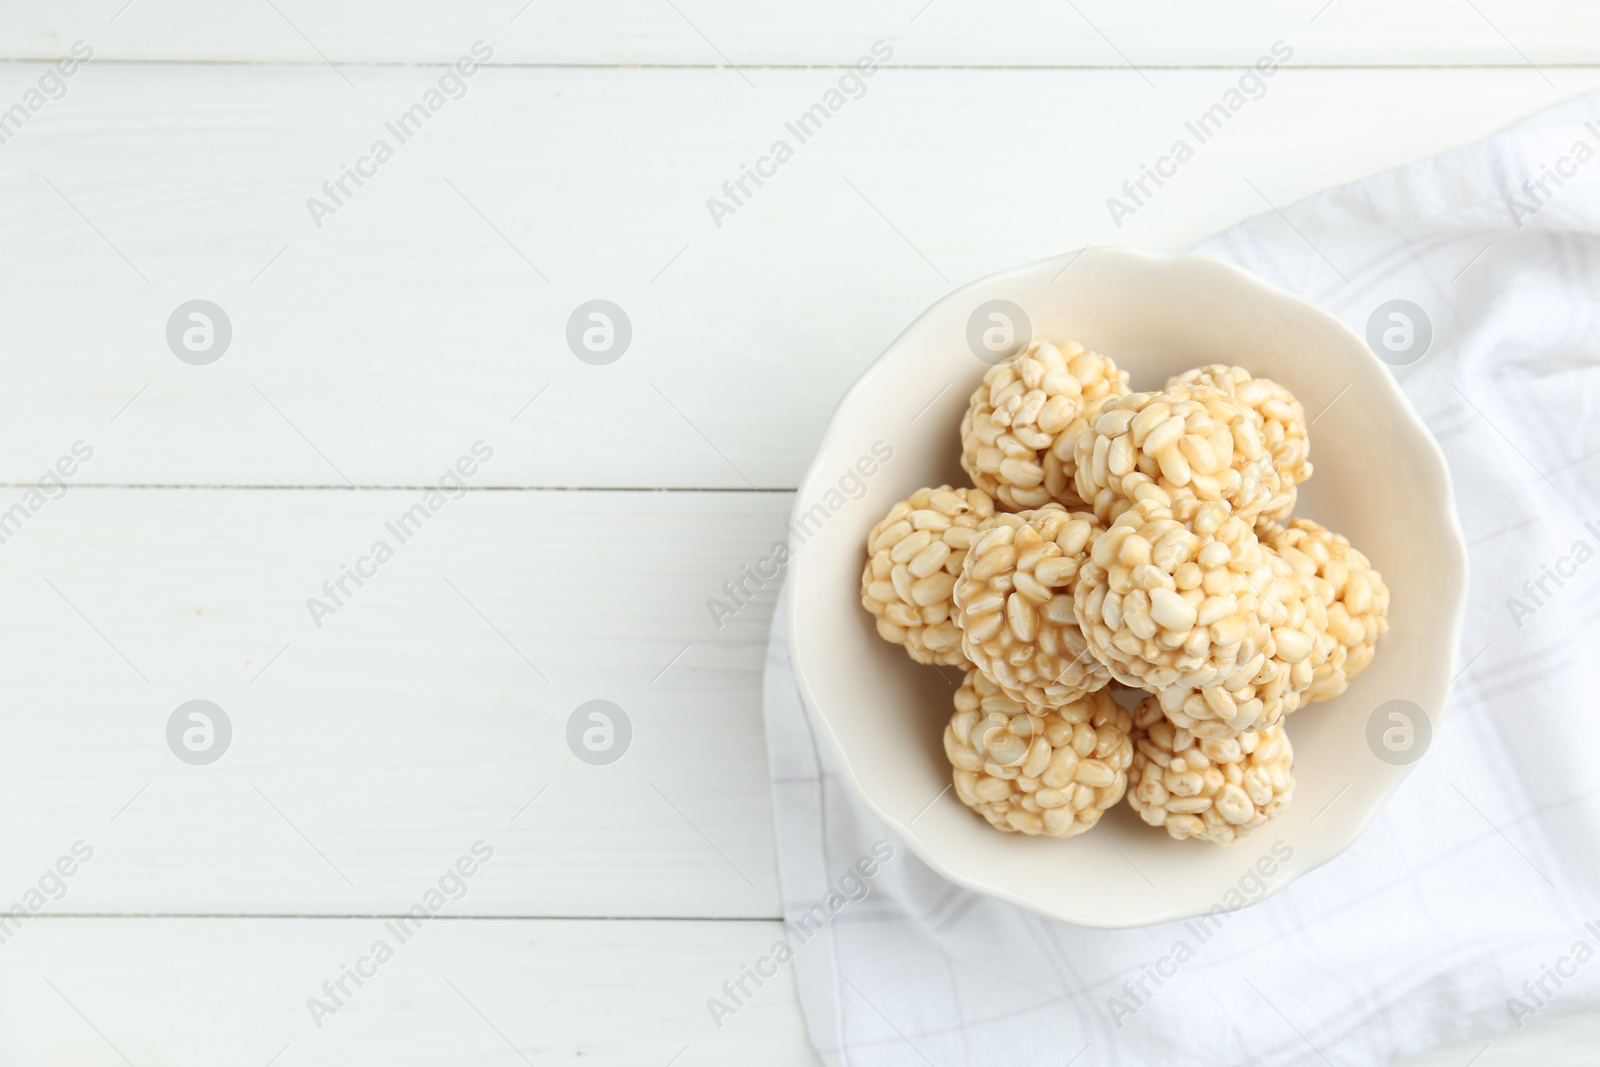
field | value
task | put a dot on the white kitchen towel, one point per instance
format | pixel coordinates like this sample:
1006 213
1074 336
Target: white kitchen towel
1472 903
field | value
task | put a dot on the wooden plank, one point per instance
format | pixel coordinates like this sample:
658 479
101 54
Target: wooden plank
426 713
417 319
708 32
499 993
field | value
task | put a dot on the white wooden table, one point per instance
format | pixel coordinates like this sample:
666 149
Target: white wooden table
373 345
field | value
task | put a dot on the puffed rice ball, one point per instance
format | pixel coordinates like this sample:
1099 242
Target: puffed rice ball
1036 770
1188 604
1013 603
1282 419
1356 598
1188 443
1216 789
1018 433
913 558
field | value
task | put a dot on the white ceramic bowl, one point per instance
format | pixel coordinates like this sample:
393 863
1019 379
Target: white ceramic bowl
1379 479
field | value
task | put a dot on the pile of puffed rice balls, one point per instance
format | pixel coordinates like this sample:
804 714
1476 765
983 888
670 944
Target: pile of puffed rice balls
1133 539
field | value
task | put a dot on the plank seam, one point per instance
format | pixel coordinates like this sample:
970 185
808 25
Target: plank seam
417 64
119 915
414 488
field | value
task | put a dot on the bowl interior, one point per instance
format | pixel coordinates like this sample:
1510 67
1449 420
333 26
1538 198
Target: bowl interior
1379 479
